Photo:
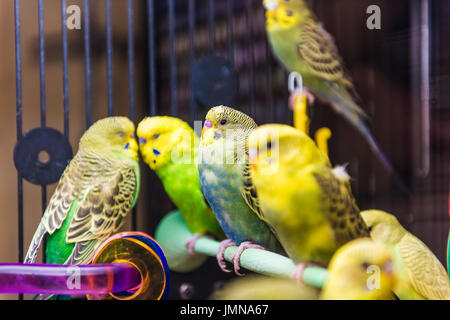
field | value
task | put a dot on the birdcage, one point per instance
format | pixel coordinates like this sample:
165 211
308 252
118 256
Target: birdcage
68 63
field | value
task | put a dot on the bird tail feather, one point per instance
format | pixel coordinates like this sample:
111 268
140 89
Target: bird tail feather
35 244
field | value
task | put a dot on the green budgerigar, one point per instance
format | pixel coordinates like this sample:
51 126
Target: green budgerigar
307 203
300 42
226 183
97 190
170 146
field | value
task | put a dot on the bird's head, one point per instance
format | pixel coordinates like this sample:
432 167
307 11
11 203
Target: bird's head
226 123
162 138
274 146
282 14
366 267
383 226
112 135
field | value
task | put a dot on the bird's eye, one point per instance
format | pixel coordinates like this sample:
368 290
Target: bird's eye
121 134
223 122
365 265
370 229
269 145
289 13
155 136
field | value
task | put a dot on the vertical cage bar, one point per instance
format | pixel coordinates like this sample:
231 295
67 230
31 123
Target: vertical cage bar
42 97
151 56
130 58
109 57
230 31
41 62
87 54
131 82
269 83
65 68
251 60
19 129
173 72
191 13
212 31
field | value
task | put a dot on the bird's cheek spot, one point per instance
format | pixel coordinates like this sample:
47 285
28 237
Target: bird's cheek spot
142 140
127 146
156 152
217 135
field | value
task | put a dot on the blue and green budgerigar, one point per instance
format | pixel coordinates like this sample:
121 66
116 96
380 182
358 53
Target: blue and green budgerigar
226 183
95 193
301 44
170 147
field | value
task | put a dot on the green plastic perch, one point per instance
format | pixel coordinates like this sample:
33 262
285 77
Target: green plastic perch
172 234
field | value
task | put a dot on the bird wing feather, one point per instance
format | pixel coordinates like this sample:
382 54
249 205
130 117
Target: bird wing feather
104 190
342 210
427 274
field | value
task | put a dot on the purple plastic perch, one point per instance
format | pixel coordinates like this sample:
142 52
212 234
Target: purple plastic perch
95 279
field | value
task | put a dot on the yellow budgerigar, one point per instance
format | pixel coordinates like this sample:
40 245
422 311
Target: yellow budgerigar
301 44
308 204
426 274
360 270
256 287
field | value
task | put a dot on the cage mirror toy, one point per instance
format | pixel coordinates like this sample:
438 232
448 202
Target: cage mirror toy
128 266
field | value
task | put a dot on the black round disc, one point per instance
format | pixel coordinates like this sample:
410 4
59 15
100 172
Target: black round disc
48 142
215 82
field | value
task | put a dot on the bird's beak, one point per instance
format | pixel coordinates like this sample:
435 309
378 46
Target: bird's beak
132 146
271 5
253 158
388 268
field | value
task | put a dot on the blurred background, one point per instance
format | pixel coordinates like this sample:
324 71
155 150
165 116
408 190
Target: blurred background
148 57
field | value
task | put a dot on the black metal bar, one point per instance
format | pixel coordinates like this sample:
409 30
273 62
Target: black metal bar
41 62
251 61
151 57
191 13
173 72
87 53
270 105
212 34
109 57
131 81
65 68
19 128
42 97
230 32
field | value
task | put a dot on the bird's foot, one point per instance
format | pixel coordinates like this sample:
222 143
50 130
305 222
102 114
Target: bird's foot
300 270
237 255
191 243
220 258
309 96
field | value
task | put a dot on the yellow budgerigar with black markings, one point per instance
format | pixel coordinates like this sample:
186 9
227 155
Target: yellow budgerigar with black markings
426 276
301 44
308 204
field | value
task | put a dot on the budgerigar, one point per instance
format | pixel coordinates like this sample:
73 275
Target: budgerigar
427 275
308 204
360 270
170 146
265 288
300 42
226 183
97 190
